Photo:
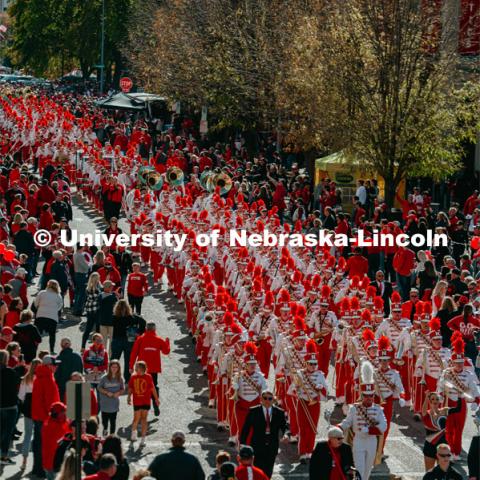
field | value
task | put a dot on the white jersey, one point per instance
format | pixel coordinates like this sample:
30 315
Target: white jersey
432 361
310 386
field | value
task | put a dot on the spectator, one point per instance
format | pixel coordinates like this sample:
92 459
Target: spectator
81 267
92 306
125 329
9 383
70 362
110 388
48 304
444 469
403 264
54 428
68 469
107 468
25 408
137 288
221 457
95 359
27 335
140 390
108 299
246 469
148 348
176 464
113 445
44 395
59 271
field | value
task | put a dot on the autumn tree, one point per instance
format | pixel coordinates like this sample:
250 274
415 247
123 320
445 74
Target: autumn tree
381 80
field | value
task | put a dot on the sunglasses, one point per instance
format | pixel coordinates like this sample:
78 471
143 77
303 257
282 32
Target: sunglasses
444 455
268 398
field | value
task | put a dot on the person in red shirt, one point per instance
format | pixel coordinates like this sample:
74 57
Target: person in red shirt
137 288
246 470
107 468
467 324
357 264
109 272
471 203
53 430
403 264
46 217
140 391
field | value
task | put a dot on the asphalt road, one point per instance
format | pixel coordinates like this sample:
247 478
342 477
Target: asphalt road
184 399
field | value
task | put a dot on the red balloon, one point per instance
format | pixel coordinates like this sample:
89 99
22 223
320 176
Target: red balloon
475 243
9 255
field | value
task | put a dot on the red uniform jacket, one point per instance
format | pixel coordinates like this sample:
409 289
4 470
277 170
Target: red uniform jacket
149 347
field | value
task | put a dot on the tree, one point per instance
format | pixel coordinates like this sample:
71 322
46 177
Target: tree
386 80
57 32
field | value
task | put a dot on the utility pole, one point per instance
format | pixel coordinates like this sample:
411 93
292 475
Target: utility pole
102 49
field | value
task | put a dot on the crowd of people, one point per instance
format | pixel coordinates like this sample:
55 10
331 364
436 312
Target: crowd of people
276 330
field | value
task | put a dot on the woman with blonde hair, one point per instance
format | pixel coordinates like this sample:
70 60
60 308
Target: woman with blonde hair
49 304
438 294
92 306
17 220
25 405
67 472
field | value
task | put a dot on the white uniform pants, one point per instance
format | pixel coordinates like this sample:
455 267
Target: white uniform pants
364 450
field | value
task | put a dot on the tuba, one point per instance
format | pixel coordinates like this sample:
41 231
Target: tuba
205 181
154 180
174 176
143 173
222 181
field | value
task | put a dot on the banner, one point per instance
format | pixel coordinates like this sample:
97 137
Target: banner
469 28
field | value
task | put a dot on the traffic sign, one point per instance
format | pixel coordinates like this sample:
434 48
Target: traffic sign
126 84
80 394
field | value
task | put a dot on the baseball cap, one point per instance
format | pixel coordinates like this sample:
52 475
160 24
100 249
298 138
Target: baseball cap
246 452
179 435
50 360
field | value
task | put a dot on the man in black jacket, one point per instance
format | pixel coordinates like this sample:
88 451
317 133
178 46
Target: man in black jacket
176 464
329 454
383 289
443 470
262 428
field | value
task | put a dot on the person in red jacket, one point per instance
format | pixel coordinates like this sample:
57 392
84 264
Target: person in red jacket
357 264
403 264
45 194
471 203
467 324
53 430
140 390
109 272
246 470
44 395
137 288
46 217
149 347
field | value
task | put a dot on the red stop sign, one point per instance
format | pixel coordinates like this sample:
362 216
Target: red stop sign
126 84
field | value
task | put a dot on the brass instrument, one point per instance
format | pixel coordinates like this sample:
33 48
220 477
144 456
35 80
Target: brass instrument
298 379
174 176
223 181
424 366
205 179
154 181
455 383
143 172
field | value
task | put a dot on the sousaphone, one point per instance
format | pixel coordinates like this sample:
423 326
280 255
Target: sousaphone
174 176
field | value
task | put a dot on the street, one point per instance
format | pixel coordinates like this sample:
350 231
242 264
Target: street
184 398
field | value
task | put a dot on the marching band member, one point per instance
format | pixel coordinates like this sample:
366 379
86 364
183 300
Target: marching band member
322 323
310 387
458 382
368 423
248 385
389 383
430 364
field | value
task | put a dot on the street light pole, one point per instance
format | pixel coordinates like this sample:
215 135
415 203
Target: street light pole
102 49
